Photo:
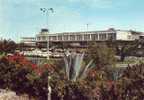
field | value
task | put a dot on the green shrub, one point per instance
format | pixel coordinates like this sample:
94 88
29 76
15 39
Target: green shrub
23 78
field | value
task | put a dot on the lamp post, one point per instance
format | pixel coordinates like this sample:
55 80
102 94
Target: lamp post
49 89
87 35
46 12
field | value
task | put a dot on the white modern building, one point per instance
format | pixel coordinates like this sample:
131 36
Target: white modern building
81 38
29 41
110 34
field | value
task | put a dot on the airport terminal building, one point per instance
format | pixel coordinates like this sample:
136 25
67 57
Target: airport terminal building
110 34
86 36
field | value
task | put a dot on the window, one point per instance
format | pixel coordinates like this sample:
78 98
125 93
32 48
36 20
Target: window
102 36
65 37
87 37
54 38
59 38
79 37
94 37
38 38
72 37
43 38
50 38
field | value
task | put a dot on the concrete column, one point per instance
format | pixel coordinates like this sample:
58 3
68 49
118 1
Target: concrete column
46 37
82 37
41 38
62 37
107 36
56 37
90 37
68 37
75 38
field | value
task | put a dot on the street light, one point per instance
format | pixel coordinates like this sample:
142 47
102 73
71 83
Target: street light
87 35
46 11
49 89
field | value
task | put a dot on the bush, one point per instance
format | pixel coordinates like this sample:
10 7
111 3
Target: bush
129 87
102 55
20 75
7 46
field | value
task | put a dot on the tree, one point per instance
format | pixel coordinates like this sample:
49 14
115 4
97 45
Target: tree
124 48
101 54
7 46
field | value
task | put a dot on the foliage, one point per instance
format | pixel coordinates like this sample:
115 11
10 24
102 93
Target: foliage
129 87
133 82
73 66
69 90
2 54
96 85
7 46
124 48
102 55
69 82
20 75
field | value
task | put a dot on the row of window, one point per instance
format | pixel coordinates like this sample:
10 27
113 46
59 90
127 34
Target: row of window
84 37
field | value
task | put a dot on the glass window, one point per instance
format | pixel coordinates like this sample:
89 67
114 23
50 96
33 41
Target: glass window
43 38
65 37
72 37
94 37
111 36
102 36
79 37
59 38
87 37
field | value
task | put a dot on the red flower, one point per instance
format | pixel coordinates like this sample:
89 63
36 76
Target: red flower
22 61
39 71
34 66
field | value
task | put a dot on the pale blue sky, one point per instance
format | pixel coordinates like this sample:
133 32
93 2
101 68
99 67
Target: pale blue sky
24 18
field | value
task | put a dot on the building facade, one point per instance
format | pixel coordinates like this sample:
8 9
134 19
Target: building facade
80 39
110 34
29 41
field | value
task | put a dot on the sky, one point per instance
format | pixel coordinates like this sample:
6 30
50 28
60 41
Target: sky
23 18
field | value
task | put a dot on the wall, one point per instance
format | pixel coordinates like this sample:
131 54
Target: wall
123 35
